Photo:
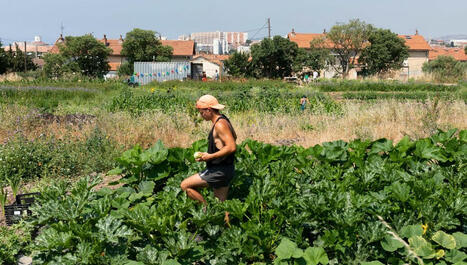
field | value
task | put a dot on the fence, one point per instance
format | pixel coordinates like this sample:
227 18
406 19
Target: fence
146 72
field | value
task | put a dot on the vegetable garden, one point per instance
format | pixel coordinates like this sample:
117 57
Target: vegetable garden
362 202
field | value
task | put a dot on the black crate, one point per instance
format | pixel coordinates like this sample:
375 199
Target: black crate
26 199
15 212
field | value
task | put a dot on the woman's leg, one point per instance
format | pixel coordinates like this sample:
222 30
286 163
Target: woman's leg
190 186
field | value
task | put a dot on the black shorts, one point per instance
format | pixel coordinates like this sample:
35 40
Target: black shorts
218 176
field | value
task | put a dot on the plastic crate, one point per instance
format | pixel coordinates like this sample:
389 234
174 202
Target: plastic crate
26 199
15 212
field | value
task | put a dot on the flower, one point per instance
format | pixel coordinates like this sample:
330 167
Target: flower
425 227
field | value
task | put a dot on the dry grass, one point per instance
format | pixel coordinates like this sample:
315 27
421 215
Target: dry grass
383 119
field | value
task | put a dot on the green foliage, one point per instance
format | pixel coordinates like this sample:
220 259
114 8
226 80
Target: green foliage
288 205
87 53
387 86
273 58
125 69
143 46
309 60
3 60
417 95
13 241
237 65
260 99
57 66
385 53
22 159
446 69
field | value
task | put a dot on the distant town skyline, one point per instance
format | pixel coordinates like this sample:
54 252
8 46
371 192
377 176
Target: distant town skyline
21 22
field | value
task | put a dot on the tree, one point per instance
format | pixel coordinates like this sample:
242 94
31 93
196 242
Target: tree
57 65
445 69
89 54
310 60
3 60
125 69
237 65
386 52
273 58
142 45
345 42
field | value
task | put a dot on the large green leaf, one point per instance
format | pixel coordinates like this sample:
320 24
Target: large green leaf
112 229
426 149
411 230
286 249
401 191
155 154
444 240
461 240
146 187
390 244
315 255
371 263
421 247
455 256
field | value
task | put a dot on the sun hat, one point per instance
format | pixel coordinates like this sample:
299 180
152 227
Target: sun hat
208 101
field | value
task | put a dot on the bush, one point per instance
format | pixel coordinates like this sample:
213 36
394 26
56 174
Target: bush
26 159
446 69
13 241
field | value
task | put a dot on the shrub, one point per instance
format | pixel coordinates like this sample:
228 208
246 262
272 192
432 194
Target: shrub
446 69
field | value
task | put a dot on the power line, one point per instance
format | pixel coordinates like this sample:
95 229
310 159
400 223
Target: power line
263 27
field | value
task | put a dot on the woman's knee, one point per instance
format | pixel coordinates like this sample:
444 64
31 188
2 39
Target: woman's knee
184 185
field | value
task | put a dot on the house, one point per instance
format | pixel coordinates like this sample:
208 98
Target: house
183 50
209 63
303 41
456 53
115 58
418 53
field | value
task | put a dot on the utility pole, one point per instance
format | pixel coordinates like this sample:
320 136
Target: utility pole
25 54
269 27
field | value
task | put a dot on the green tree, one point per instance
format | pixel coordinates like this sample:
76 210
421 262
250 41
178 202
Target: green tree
89 54
346 42
17 59
125 69
386 52
273 58
237 65
143 46
445 69
57 65
3 60
310 60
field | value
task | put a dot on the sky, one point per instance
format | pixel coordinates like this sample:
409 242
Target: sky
22 20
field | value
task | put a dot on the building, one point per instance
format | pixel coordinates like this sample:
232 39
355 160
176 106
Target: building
417 45
36 48
115 58
181 51
418 55
217 42
456 53
210 63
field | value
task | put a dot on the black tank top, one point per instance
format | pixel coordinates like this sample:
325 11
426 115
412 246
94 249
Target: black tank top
212 148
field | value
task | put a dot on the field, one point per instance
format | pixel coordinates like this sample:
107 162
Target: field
324 185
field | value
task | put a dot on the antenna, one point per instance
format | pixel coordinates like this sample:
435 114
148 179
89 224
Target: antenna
61 28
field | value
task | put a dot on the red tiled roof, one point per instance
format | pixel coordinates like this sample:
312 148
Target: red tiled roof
457 53
30 48
303 39
415 42
115 45
180 47
219 57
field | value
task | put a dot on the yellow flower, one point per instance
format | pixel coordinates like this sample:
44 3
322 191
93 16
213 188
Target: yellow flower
425 227
152 90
